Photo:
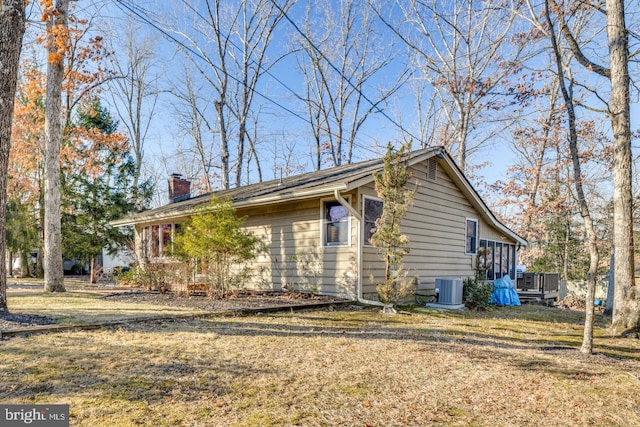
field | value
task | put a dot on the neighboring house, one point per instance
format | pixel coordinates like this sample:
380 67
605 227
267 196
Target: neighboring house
123 258
317 227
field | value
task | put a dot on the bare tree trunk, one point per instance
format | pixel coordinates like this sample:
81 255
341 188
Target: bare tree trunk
53 273
567 240
135 94
626 307
337 67
465 50
12 22
224 143
92 271
587 340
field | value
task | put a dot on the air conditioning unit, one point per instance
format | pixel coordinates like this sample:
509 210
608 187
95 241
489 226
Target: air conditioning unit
449 290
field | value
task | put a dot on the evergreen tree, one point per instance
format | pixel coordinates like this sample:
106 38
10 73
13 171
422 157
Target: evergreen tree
391 186
21 233
215 238
98 190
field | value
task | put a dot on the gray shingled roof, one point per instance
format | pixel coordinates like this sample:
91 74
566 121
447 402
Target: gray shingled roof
293 187
314 184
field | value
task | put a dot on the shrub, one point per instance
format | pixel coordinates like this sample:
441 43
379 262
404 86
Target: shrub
476 293
214 236
159 277
397 288
391 187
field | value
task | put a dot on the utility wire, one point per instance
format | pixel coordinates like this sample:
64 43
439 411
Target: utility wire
345 78
144 16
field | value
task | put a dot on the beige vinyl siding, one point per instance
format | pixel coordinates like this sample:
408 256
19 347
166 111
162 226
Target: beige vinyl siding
296 256
436 226
490 233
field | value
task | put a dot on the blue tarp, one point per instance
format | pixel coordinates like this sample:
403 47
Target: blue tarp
504 293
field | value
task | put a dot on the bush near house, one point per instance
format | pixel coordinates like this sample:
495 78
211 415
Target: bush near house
476 293
161 277
391 187
214 237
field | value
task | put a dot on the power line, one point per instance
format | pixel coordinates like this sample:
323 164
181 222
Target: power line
342 76
146 17
142 16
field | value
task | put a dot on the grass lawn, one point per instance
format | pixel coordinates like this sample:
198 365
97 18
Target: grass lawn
77 307
508 367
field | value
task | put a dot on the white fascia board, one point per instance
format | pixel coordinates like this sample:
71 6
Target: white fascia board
259 201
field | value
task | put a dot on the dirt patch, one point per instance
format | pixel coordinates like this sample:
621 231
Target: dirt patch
13 321
236 301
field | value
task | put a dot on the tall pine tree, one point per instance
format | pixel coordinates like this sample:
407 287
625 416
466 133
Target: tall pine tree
98 189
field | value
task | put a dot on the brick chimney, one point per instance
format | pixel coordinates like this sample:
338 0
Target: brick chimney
179 188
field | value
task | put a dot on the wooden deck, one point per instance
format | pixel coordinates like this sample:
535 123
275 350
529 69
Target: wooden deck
538 287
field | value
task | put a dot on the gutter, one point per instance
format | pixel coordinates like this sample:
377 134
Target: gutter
358 217
259 201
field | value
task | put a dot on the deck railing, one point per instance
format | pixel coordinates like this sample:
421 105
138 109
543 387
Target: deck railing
540 282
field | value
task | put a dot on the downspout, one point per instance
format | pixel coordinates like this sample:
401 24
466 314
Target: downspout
358 218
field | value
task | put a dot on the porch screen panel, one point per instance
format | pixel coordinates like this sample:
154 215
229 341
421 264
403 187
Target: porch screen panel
513 262
504 264
491 246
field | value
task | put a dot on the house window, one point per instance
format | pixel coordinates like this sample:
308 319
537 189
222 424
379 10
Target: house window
336 224
167 239
497 259
372 210
471 237
155 241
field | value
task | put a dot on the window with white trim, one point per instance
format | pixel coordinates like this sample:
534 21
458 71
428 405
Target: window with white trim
371 211
336 224
471 236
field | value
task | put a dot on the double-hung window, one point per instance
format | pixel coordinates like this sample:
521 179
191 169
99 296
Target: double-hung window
471 245
336 224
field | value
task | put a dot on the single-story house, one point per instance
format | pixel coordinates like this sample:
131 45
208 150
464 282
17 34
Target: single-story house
317 227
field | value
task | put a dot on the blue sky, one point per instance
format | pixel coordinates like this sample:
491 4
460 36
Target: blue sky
290 128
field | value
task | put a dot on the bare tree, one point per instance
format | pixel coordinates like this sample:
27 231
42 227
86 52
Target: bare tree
340 55
12 26
626 309
134 89
567 95
57 42
228 45
196 122
465 51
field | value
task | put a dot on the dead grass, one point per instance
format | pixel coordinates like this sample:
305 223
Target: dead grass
509 367
82 307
